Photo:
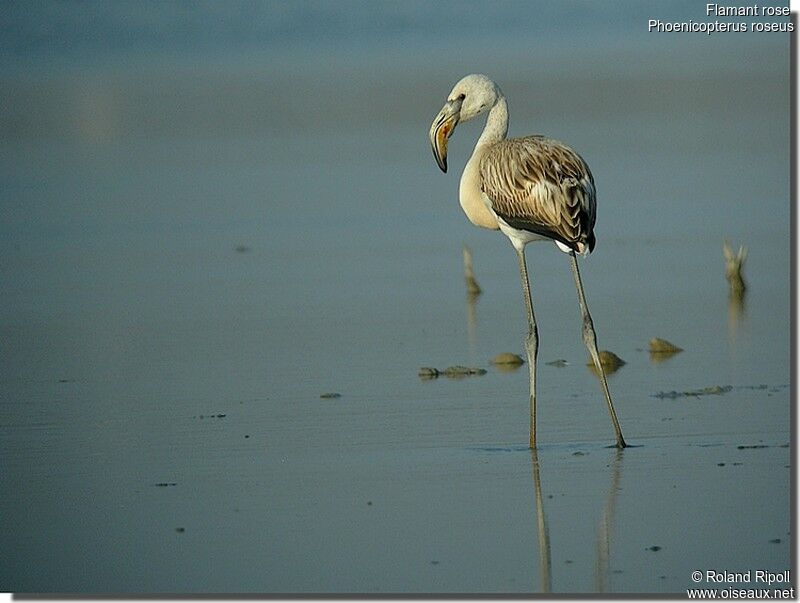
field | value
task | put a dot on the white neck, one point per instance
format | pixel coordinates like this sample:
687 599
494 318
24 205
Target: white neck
496 126
470 195
472 199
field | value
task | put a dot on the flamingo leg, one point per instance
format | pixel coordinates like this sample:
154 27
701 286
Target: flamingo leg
590 339
532 339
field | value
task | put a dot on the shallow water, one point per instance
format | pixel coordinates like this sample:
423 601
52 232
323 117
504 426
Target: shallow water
161 420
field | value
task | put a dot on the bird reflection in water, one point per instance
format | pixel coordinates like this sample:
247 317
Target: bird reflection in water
541 526
605 528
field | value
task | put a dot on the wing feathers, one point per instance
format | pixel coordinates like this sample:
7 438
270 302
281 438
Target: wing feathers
543 186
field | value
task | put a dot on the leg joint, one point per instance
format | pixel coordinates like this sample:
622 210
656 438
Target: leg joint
532 340
532 351
588 330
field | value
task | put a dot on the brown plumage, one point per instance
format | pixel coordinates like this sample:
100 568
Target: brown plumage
542 186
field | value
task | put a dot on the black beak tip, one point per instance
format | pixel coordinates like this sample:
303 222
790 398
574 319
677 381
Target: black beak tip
440 161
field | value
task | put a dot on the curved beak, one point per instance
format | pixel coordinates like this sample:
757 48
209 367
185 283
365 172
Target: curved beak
442 128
